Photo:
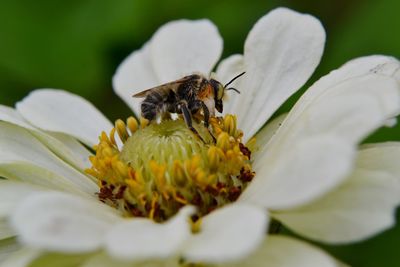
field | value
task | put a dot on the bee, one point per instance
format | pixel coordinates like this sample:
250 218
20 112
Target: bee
186 96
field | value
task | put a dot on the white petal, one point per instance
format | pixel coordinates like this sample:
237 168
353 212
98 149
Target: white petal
281 251
309 169
20 258
60 222
359 67
390 122
11 115
281 52
226 71
60 146
348 112
18 145
80 152
361 207
182 47
60 111
142 239
380 156
227 234
134 75
396 75
12 193
264 136
37 176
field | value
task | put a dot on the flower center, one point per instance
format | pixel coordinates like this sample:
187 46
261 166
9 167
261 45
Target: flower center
162 167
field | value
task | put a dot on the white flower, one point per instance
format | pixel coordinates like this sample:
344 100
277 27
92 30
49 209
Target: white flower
310 175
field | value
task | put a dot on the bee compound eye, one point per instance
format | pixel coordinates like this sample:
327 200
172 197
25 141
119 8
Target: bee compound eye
221 91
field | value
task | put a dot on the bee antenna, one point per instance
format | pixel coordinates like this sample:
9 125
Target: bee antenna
231 81
234 89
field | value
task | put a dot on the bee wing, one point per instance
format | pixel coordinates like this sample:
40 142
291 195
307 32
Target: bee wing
166 86
143 93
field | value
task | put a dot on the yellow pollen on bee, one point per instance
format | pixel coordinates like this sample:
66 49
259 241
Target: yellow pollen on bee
162 167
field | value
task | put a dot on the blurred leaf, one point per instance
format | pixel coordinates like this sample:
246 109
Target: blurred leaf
59 43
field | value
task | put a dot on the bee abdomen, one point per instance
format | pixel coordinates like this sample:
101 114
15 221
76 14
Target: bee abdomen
151 105
149 110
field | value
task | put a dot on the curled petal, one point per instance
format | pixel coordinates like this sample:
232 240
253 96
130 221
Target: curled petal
63 112
281 52
361 207
347 111
19 147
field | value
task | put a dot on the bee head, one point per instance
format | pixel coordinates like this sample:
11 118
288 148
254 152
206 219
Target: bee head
219 91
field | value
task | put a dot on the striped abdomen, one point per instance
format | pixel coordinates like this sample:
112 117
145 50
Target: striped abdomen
153 104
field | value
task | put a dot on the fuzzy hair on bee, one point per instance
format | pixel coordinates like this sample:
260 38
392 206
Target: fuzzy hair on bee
186 96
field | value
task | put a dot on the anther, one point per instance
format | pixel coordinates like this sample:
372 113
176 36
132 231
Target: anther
143 122
159 174
104 137
215 155
230 125
122 169
132 124
121 130
112 137
178 173
223 141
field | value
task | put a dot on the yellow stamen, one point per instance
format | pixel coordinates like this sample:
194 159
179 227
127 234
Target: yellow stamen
215 157
132 124
230 124
162 167
178 173
112 137
223 141
153 205
121 130
144 122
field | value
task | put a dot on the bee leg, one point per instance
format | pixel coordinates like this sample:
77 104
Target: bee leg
207 119
188 119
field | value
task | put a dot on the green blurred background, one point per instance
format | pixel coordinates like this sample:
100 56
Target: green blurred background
77 45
